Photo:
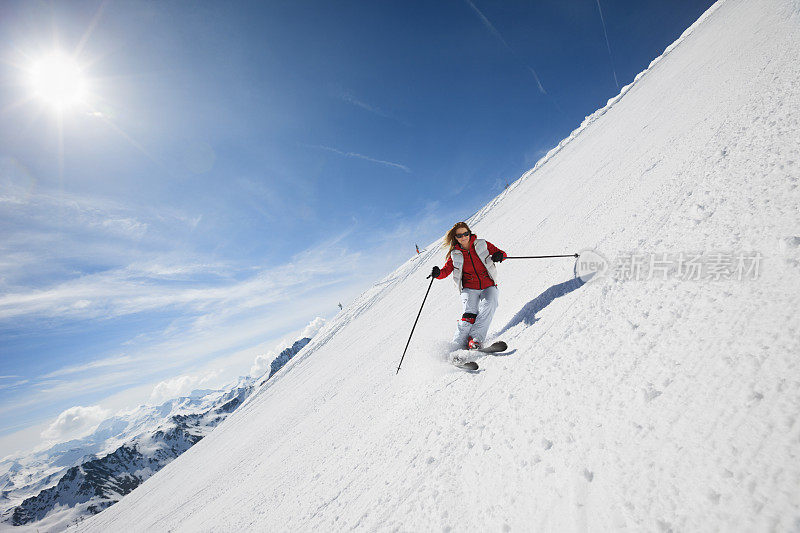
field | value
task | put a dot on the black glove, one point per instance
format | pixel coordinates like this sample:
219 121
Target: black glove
498 257
435 272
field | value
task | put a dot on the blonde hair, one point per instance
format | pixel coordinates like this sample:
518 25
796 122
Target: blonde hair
450 239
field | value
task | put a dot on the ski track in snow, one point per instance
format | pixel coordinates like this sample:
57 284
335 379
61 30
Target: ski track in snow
659 405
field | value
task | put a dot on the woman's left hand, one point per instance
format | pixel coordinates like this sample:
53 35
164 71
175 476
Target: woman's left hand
498 257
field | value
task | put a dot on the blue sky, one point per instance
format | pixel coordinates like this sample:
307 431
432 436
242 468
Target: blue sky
238 168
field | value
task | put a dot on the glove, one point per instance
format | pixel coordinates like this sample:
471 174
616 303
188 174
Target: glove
435 272
498 257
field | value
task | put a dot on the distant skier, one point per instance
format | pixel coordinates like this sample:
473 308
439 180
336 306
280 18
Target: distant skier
471 260
417 247
340 306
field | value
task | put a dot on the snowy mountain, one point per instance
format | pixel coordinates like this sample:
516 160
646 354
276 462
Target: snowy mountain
663 394
286 355
82 477
85 476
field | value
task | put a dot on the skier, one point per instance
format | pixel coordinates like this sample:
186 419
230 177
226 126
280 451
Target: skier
471 260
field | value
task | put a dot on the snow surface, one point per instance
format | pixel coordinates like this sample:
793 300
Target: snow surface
661 404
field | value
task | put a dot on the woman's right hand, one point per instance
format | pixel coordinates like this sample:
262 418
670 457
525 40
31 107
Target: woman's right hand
435 272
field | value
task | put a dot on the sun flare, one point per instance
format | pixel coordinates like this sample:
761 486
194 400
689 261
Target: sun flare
58 81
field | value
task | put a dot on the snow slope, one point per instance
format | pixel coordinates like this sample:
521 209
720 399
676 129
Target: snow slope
653 404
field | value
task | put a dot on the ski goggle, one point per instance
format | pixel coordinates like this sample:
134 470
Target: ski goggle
460 235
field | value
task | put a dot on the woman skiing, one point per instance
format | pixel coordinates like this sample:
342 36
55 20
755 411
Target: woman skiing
471 261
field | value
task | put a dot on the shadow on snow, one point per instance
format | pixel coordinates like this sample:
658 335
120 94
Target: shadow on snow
528 312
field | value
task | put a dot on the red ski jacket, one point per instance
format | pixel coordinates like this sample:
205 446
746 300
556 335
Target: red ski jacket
474 274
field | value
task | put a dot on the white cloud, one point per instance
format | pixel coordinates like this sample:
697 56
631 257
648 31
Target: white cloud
142 287
100 363
175 269
313 327
172 388
124 226
12 385
179 386
89 230
261 364
75 422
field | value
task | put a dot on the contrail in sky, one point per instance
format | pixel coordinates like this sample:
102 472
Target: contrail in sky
366 158
346 96
493 31
602 20
489 25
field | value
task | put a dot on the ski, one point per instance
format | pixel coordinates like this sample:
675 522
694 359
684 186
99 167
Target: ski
495 347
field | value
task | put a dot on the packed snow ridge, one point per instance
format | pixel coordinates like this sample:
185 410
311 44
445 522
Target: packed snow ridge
661 395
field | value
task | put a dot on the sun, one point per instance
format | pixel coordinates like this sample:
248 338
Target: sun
58 81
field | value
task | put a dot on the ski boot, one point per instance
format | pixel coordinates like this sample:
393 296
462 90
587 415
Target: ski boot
473 344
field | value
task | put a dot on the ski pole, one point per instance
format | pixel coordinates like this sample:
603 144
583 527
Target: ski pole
415 323
539 256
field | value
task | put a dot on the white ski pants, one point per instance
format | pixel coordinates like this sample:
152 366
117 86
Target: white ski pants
482 303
